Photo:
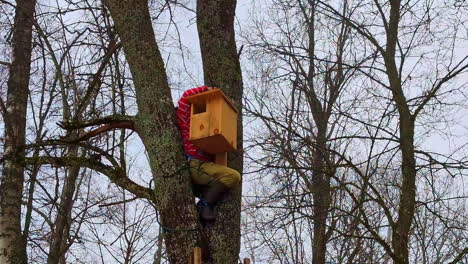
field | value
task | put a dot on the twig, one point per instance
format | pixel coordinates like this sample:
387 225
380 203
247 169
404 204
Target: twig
5 63
119 202
7 3
95 122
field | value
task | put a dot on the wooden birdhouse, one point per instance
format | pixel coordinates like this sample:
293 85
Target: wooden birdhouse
213 122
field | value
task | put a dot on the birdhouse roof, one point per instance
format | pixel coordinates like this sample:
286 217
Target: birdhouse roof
208 95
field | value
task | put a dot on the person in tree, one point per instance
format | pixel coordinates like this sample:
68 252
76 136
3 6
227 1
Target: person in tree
210 180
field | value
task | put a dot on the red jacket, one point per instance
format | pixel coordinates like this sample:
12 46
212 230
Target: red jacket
183 119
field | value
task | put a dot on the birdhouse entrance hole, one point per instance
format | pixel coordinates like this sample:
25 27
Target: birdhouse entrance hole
199 108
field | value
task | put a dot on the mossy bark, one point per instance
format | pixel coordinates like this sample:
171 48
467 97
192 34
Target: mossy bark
11 187
215 23
156 125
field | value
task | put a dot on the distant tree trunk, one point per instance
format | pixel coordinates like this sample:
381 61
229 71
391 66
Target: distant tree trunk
215 22
320 179
401 232
11 188
156 126
62 225
321 195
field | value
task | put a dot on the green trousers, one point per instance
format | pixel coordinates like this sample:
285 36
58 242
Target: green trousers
203 173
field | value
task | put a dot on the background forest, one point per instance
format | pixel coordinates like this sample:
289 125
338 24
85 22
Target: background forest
353 133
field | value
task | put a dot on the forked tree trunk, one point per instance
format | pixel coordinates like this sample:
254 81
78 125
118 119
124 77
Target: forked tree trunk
11 188
321 112
157 127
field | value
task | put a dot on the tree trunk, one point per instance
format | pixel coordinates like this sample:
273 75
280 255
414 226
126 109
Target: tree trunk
11 188
321 194
320 189
62 225
156 126
401 230
407 205
215 23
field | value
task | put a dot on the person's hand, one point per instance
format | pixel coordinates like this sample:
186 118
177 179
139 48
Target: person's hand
210 88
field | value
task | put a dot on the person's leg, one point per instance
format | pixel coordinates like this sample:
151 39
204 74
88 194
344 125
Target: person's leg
227 176
201 181
204 173
198 174
199 178
218 179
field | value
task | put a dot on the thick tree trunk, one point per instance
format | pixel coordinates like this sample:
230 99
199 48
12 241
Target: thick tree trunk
156 124
157 128
11 188
215 23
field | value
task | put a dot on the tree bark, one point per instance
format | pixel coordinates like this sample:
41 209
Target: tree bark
156 126
215 23
11 188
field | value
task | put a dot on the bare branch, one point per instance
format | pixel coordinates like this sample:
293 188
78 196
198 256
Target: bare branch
107 127
5 63
110 123
119 202
7 3
95 122
93 86
460 256
450 75
115 175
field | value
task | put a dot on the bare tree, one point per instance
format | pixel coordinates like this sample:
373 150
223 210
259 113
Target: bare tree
59 201
401 41
304 84
404 86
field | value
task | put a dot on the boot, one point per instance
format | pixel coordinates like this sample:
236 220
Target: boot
211 196
205 211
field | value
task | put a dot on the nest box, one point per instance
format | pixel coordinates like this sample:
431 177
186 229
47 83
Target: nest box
213 122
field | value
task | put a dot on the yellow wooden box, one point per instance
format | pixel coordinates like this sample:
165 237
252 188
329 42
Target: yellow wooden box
213 122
